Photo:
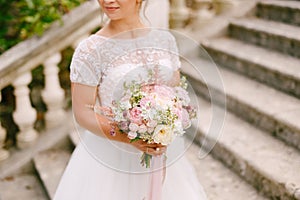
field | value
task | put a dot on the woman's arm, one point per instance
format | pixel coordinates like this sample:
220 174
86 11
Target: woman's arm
82 103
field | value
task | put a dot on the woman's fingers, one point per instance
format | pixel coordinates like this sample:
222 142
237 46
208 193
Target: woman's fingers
106 111
154 145
150 148
156 151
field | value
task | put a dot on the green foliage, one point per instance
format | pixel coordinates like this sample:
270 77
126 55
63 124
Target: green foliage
22 19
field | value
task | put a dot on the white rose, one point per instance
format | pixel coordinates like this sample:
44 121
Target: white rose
125 105
133 127
131 135
163 134
152 123
142 128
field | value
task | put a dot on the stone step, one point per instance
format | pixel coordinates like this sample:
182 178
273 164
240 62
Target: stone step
218 181
273 35
271 110
50 165
25 187
271 166
273 68
279 10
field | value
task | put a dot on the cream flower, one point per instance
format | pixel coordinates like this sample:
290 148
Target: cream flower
163 134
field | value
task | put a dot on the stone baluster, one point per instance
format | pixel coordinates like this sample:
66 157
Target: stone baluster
24 115
4 154
179 14
203 12
225 6
53 95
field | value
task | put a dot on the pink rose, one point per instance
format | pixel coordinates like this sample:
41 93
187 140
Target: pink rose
135 116
147 102
178 111
164 91
131 135
148 88
124 126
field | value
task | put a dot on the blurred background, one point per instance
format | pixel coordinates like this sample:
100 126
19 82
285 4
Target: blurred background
253 44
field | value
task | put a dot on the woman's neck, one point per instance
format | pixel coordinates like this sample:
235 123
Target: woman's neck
114 27
118 26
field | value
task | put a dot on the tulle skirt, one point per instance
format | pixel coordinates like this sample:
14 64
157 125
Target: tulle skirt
102 170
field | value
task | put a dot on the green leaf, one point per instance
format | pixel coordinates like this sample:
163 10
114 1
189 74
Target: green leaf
134 140
30 4
29 17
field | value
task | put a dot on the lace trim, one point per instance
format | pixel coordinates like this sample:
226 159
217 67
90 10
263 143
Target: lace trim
96 55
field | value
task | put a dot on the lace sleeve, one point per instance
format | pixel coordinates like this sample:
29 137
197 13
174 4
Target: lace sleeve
84 64
174 53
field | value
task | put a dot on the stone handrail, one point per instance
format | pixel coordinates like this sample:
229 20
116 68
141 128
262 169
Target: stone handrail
17 63
28 54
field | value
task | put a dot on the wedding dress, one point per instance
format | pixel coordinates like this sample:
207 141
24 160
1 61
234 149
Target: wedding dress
100 169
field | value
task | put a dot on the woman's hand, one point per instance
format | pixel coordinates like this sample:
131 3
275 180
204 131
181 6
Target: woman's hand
151 149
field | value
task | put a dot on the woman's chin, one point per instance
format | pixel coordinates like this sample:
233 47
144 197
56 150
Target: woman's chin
113 15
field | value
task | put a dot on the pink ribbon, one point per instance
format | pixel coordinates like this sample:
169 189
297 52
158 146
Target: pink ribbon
156 178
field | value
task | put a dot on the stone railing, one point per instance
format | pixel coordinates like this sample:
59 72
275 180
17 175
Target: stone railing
17 63
184 12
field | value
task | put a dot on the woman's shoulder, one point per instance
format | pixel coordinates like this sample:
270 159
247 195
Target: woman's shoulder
162 34
163 38
90 43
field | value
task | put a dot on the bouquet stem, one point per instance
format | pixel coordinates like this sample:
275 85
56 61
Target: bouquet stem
146 159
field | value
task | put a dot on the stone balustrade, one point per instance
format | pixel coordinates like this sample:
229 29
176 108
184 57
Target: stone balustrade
3 153
185 13
17 63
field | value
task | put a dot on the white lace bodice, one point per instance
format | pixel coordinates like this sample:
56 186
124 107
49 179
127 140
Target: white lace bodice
109 63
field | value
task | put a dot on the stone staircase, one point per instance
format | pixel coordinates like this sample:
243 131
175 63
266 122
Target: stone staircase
259 63
219 182
257 156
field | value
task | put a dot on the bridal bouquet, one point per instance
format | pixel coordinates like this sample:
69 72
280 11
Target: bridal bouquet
153 113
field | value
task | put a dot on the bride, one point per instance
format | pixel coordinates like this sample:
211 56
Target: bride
105 164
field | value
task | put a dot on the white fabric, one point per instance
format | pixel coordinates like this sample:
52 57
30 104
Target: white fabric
101 169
